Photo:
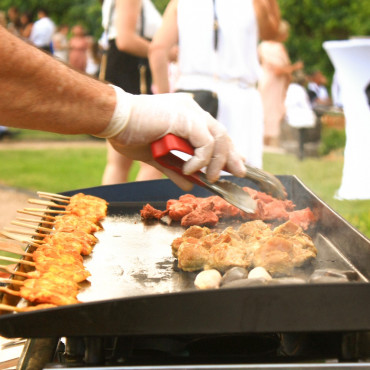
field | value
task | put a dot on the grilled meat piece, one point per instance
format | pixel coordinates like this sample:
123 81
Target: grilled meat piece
71 222
288 248
191 210
254 244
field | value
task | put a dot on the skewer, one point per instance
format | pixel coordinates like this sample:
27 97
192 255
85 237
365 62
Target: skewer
19 253
10 291
10 235
5 307
31 227
43 194
16 237
34 221
51 197
16 260
13 272
45 203
35 214
47 210
11 281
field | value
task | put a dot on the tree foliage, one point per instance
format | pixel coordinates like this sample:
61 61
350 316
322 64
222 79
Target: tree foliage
315 21
312 22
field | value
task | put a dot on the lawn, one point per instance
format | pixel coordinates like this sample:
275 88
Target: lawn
60 170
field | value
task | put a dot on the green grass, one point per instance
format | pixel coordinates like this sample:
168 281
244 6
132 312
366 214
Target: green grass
61 170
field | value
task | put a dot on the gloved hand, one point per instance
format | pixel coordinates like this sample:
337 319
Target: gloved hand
139 120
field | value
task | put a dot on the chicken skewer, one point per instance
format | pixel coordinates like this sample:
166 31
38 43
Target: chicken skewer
5 307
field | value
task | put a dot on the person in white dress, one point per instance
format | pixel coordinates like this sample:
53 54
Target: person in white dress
42 31
231 68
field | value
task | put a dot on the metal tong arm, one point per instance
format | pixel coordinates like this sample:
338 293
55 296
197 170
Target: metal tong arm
266 182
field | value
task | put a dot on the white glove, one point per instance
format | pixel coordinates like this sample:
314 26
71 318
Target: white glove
139 120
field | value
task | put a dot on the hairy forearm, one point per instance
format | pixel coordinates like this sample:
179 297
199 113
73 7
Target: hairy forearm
39 92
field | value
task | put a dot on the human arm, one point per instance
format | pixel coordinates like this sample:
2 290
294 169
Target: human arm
162 46
45 94
268 18
127 15
287 69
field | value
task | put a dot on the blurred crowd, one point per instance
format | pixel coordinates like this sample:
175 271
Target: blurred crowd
71 45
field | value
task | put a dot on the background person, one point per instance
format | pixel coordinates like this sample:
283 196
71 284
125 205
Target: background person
228 67
42 31
78 46
130 26
60 43
276 75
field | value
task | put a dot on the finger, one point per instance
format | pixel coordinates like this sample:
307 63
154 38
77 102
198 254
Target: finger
203 142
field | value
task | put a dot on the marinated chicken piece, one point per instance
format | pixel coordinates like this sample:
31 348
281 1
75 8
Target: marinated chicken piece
148 212
254 230
254 244
229 250
53 252
194 232
303 217
71 222
78 240
88 206
48 291
202 215
73 273
289 248
191 210
192 256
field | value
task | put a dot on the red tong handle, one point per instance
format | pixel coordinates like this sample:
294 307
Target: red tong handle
161 151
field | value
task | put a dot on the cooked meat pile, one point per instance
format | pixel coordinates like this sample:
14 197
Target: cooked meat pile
191 210
58 259
253 244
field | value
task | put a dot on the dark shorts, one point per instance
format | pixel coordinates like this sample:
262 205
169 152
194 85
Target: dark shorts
123 70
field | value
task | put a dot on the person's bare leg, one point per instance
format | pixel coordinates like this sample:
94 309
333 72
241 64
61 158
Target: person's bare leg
148 172
117 168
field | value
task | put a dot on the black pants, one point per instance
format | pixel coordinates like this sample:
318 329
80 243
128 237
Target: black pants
123 70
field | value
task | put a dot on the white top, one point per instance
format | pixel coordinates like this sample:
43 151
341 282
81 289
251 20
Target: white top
236 57
42 32
152 19
298 111
232 72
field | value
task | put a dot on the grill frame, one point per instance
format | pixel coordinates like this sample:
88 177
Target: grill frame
260 309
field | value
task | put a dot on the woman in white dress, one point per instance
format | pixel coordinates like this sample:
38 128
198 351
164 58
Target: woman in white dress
224 61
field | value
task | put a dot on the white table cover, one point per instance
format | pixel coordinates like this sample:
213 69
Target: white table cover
351 60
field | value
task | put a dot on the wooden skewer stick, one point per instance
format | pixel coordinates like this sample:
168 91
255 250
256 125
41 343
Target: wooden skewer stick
46 210
35 214
34 221
11 281
6 307
16 237
59 196
45 203
10 235
51 197
10 291
40 228
19 253
13 272
15 260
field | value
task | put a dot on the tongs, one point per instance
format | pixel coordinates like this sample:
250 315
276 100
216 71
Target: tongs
162 151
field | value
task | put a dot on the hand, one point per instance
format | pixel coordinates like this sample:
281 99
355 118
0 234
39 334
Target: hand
153 116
